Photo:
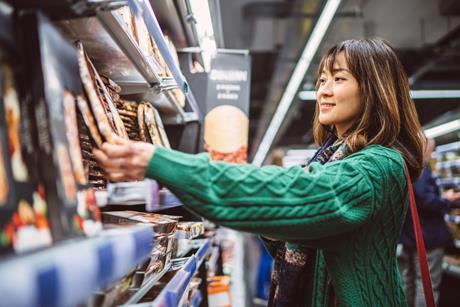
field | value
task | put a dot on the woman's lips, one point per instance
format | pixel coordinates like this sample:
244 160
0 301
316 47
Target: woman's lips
324 106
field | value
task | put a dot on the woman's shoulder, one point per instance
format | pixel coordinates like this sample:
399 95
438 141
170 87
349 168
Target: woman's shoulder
383 156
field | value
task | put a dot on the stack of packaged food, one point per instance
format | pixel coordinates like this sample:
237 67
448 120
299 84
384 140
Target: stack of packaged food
164 227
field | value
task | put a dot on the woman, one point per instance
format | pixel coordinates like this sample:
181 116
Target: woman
333 226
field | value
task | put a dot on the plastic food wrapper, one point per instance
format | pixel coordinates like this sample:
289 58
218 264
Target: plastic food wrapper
151 125
55 85
161 224
189 230
24 220
104 110
161 129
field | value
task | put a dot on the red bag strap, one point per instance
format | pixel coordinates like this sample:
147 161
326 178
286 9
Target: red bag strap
427 287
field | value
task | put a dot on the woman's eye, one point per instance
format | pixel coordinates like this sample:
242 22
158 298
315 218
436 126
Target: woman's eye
339 79
322 80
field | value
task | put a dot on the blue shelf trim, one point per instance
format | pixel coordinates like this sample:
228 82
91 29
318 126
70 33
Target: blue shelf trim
69 272
174 290
202 252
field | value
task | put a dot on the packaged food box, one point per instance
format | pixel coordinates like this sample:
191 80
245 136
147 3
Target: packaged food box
54 84
189 230
162 225
24 221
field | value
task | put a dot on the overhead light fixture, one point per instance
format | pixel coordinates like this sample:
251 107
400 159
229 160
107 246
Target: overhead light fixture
307 95
443 129
203 25
435 94
415 94
300 69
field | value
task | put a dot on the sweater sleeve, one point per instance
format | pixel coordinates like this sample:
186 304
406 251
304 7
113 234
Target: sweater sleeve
282 203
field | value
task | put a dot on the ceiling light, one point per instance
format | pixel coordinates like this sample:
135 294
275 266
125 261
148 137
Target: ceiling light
435 94
300 69
443 129
307 95
415 94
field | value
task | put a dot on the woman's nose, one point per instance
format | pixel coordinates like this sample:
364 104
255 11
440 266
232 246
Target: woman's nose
325 89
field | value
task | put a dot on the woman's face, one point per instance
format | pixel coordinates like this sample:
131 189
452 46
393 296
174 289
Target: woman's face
338 96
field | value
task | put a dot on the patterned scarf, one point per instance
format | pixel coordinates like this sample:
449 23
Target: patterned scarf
299 268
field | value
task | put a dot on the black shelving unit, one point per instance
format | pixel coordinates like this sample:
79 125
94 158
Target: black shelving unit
71 272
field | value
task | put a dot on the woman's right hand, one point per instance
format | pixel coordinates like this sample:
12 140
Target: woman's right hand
125 160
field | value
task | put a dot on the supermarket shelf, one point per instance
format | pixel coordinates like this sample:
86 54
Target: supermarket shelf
145 193
192 244
450 269
113 52
116 55
452 218
147 286
6 34
114 26
68 273
144 9
58 9
448 181
168 83
181 301
196 299
203 251
166 97
173 17
161 98
457 243
448 147
213 259
173 293
448 164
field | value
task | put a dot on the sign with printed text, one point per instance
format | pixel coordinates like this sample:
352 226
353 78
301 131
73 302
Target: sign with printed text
226 124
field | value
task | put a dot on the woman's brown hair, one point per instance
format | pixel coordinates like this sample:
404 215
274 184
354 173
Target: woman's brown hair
388 115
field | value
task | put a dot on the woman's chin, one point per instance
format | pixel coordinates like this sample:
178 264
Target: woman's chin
325 121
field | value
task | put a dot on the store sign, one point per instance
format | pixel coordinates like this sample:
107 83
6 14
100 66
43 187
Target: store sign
229 81
226 124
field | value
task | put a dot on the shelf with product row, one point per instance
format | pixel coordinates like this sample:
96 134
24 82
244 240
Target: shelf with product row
143 195
69 272
113 266
452 218
457 243
448 164
172 285
448 147
175 292
449 182
451 269
125 43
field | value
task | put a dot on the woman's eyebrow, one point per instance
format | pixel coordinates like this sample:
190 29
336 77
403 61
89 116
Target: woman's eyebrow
336 70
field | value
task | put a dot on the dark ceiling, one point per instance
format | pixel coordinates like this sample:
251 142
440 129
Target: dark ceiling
425 33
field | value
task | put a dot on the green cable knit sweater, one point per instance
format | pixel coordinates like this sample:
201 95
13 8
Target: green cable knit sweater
352 209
